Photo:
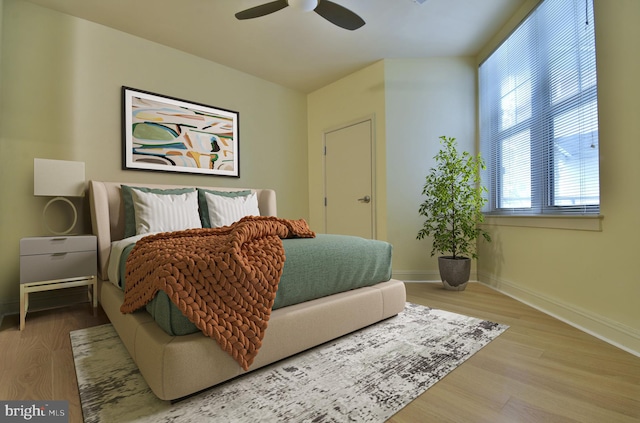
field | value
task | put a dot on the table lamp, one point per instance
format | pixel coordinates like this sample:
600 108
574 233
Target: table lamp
58 179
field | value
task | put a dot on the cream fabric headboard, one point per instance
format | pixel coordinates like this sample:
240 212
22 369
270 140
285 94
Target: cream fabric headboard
107 212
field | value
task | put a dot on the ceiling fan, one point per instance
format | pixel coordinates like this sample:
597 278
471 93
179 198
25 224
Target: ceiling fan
334 13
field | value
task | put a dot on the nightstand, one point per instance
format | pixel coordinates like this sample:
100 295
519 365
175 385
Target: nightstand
48 263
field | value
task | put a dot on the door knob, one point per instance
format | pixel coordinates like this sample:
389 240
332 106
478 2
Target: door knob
365 199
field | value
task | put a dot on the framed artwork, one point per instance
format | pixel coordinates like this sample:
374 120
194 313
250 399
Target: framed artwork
168 134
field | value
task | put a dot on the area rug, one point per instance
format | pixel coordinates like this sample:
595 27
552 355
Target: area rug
366 376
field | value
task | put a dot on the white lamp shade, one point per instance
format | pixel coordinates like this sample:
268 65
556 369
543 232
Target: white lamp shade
58 178
303 5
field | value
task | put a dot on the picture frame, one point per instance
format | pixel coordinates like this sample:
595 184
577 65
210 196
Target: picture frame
161 133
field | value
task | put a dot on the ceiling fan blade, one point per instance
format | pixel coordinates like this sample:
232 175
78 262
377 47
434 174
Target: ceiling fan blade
263 9
338 15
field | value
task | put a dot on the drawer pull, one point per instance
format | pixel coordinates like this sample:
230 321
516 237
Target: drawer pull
59 239
59 254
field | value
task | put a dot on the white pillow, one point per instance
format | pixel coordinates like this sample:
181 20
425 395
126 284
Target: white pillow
224 211
165 212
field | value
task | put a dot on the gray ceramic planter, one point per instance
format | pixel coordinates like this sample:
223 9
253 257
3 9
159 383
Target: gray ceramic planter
454 272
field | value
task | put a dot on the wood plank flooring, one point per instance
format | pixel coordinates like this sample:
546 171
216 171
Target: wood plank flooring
37 363
539 370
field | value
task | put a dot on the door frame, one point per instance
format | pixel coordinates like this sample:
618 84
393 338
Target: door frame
372 146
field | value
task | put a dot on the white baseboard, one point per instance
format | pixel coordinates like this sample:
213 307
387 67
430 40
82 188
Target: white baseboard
423 276
610 331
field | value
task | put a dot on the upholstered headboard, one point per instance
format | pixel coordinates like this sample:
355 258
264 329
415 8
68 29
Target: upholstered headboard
107 212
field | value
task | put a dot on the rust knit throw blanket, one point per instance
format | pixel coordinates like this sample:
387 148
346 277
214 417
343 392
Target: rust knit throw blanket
224 279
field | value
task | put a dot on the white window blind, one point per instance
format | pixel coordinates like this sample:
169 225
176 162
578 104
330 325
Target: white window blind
539 114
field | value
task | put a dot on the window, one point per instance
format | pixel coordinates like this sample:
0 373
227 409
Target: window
539 114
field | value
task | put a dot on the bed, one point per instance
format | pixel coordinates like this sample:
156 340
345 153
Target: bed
179 364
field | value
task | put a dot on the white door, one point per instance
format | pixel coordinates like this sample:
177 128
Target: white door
349 202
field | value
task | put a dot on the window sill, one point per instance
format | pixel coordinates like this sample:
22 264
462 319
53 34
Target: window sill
576 223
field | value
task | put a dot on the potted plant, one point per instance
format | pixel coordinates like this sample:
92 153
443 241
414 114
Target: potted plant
453 210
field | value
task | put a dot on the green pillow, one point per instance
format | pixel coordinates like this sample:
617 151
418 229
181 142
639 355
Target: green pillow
129 211
202 202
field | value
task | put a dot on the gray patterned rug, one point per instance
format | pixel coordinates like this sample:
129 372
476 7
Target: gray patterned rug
366 376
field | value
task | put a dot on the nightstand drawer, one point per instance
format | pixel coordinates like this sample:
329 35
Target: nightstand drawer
44 267
62 244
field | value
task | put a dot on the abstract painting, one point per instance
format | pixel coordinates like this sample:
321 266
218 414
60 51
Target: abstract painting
168 134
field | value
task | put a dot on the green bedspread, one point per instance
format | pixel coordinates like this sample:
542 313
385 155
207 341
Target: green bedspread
314 268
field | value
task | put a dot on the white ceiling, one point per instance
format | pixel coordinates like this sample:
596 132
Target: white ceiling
297 49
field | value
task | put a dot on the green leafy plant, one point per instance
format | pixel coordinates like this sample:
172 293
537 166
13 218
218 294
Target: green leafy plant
453 204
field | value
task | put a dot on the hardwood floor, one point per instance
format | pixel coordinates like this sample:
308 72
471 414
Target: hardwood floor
539 370
37 363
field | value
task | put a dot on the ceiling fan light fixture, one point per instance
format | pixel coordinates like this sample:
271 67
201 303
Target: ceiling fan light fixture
333 12
303 5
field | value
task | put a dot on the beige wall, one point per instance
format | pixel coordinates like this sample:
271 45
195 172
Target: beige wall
425 98
588 277
354 97
414 101
61 81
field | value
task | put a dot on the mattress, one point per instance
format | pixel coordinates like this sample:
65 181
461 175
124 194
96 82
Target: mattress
314 268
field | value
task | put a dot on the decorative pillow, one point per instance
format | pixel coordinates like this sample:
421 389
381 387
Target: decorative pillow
127 201
224 211
165 212
202 202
